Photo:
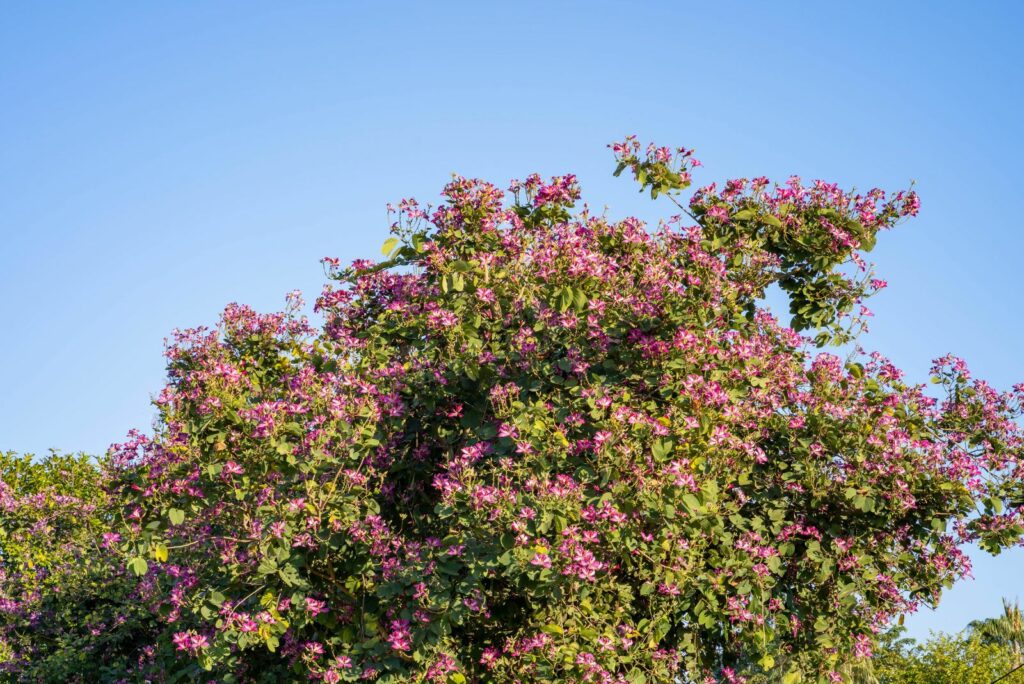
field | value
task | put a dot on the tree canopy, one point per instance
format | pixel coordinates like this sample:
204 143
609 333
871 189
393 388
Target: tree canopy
536 444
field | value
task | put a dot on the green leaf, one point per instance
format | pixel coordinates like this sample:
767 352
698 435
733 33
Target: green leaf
867 243
792 677
565 299
662 448
636 676
138 565
290 576
176 516
691 502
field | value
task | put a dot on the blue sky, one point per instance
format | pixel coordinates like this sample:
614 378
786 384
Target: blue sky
158 161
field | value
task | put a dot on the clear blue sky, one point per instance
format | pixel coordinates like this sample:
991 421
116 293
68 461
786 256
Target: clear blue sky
159 160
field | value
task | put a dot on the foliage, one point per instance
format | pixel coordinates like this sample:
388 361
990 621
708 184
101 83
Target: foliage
954 659
67 609
1006 630
961 658
538 446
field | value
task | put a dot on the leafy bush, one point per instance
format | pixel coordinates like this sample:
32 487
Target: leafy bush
539 446
68 609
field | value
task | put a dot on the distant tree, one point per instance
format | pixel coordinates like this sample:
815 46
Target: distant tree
962 658
948 659
1006 630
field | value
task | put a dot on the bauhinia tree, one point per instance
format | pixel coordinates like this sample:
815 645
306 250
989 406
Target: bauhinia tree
533 445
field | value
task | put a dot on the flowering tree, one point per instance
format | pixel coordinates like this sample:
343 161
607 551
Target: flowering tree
534 445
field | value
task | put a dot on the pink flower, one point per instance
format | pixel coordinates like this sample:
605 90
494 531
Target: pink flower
490 657
232 468
439 670
313 649
315 607
561 190
400 637
584 565
246 624
541 559
862 646
190 641
718 213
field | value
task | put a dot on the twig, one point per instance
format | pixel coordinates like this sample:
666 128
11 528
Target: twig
999 679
